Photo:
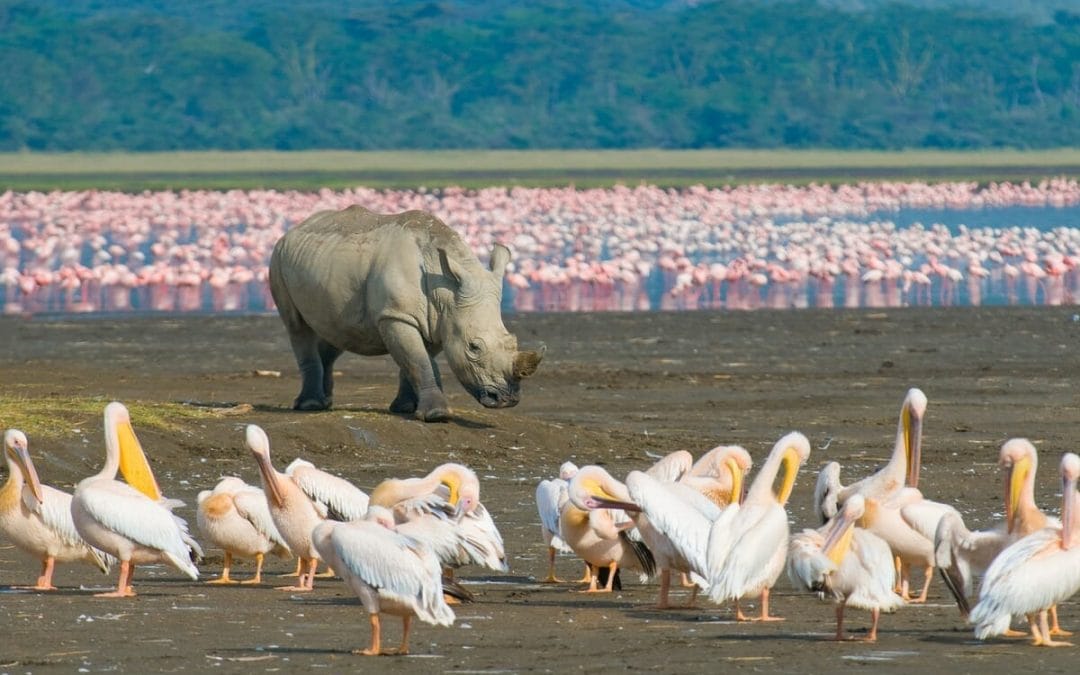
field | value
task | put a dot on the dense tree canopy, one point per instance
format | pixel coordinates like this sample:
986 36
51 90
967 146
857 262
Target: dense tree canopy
94 75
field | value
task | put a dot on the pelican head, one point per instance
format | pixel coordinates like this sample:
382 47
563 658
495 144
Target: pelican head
18 451
461 483
122 447
1019 460
840 533
827 491
1070 472
594 488
796 450
911 421
738 463
381 515
259 444
567 470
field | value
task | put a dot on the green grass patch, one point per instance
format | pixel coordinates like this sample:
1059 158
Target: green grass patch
311 170
50 417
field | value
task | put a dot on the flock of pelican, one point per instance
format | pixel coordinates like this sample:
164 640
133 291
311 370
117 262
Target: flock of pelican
396 549
695 518
723 534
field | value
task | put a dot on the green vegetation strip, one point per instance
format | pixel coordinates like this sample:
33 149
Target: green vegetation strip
315 169
59 416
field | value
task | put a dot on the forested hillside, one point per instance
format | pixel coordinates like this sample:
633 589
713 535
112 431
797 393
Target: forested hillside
140 75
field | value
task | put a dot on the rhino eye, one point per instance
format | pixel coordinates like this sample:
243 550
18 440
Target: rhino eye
475 347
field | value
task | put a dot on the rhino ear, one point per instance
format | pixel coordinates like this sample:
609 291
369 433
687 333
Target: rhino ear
451 268
500 258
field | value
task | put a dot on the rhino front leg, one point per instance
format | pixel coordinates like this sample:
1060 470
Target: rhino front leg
419 389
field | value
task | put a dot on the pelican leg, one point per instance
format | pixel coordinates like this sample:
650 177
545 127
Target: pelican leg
765 609
592 581
257 579
1044 627
905 582
1033 626
305 581
406 624
899 574
551 578
1055 628
929 576
686 583
123 584
665 588
44 582
224 578
875 615
612 567
328 574
839 623
588 575
739 616
376 639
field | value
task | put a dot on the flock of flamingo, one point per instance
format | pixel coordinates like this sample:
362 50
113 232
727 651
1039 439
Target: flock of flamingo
397 547
622 249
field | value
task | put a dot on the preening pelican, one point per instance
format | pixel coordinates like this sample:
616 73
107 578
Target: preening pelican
748 542
1034 573
846 564
130 521
391 573
677 516
341 499
37 518
551 497
961 554
444 509
293 512
235 517
590 528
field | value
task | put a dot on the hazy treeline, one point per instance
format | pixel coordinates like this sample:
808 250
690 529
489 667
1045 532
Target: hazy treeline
380 75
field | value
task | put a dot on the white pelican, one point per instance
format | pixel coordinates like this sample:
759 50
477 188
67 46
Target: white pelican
390 572
961 554
590 528
846 564
130 521
446 507
342 500
235 517
37 518
677 516
748 542
551 497
293 512
1034 573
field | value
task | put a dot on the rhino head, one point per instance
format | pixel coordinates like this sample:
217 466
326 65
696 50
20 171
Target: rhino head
482 353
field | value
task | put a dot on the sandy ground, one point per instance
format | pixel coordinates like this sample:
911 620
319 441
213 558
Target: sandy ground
615 390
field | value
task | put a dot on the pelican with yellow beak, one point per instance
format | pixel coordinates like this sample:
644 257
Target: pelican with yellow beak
130 521
748 541
845 564
37 518
1034 573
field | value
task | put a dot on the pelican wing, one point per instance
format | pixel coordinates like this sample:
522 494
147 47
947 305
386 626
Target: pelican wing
399 567
550 496
343 500
722 537
252 506
807 566
923 516
869 568
55 512
682 515
131 514
480 535
960 554
758 533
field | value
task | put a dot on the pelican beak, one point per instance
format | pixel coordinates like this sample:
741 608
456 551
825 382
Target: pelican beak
838 541
270 479
913 445
1068 510
606 502
133 464
791 469
453 486
22 458
737 484
1015 477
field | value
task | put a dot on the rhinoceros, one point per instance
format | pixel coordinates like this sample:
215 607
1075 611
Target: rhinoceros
403 284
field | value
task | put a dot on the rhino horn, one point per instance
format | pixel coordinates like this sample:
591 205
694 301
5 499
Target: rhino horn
526 363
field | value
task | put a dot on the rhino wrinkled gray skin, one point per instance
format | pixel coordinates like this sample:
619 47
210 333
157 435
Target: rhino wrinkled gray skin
402 284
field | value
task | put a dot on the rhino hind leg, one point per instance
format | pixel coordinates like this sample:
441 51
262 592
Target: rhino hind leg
314 376
419 384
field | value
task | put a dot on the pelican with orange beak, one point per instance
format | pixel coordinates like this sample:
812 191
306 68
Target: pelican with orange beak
846 564
37 518
1035 573
131 521
294 513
